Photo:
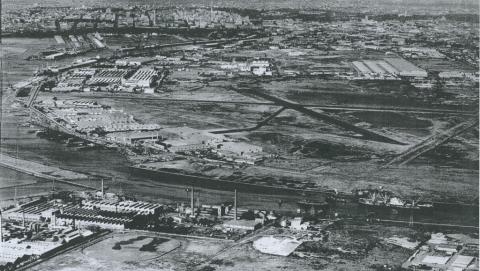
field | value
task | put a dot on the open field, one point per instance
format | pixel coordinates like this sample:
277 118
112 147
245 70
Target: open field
137 250
345 247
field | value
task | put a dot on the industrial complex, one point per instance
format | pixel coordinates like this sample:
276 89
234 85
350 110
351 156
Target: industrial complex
239 136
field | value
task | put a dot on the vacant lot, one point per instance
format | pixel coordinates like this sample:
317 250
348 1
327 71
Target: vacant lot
137 251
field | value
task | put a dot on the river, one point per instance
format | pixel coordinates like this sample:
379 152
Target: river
18 140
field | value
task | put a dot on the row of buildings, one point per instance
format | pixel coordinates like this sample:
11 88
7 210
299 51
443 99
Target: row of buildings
388 68
88 79
54 19
115 126
451 252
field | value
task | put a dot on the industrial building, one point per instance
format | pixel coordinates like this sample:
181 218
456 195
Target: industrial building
108 77
406 68
389 68
135 62
445 253
81 218
242 225
133 137
123 206
141 78
183 139
36 211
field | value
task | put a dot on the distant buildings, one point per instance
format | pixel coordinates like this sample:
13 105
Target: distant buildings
141 78
406 68
445 253
184 139
108 77
139 207
389 68
258 67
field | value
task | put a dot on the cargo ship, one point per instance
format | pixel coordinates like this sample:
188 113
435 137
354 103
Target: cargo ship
385 199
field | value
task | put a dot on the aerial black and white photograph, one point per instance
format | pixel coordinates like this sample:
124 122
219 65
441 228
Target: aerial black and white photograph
239 135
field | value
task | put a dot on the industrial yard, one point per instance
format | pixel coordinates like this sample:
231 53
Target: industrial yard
210 138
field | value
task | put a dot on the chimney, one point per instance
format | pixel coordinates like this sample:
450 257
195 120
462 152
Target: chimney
191 199
103 193
1 230
235 205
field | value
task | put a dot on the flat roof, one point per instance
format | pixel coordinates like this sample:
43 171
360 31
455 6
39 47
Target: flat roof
402 65
241 222
462 261
361 67
429 259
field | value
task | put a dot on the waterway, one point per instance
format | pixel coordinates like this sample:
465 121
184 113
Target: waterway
19 141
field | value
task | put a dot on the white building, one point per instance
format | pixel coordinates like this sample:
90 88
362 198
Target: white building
297 224
141 78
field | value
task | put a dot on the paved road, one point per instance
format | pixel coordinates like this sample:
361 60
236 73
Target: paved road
432 142
320 115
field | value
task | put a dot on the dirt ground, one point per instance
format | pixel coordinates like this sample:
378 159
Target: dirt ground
354 239
123 251
173 254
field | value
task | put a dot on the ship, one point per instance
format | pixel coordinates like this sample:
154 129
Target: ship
385 199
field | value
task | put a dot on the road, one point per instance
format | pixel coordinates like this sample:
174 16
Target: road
368 134
260 124
431 143
413 223
85 243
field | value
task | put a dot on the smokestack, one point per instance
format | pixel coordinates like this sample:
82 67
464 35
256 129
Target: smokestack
191 199
155 17
1 230
103 194
235 205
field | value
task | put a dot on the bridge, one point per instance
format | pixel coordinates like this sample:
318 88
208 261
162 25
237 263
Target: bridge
34 93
